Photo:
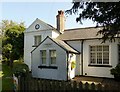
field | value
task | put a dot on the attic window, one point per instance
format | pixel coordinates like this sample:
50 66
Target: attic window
37 40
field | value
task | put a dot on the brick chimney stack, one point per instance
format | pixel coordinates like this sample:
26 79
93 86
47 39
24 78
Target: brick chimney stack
60 21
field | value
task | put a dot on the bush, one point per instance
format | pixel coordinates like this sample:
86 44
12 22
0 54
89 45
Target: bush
20 69
116 72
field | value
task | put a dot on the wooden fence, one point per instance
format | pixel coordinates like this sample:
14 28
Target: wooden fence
26 85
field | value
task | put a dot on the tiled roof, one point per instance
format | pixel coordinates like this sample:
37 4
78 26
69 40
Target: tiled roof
80 33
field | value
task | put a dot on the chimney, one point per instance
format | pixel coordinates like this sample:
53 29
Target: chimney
60 21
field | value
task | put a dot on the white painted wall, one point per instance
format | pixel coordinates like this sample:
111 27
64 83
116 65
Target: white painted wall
55 34
56 74
29 42
75 44
99 71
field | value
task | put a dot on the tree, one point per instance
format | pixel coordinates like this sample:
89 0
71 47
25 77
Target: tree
106 14
13 42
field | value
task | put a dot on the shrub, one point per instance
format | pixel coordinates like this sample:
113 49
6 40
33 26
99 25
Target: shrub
116 72
20 69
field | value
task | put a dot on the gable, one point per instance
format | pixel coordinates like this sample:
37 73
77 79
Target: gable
42 26
49 42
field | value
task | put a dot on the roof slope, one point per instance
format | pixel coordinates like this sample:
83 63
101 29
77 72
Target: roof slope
64 45
80 33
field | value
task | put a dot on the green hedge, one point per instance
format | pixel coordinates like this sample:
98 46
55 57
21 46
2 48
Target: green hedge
20 69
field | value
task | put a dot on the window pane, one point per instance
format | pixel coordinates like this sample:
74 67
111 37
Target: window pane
92 58
43 53
92 48
105 58
53 56
43 56
53 53
99 58
53 60
99 48
105 48
37 39
43 60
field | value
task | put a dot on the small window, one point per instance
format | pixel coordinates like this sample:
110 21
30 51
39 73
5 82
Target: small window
43 56
37 40
52 56
99 54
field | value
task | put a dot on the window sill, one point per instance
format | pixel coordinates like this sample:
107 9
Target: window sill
48 67
100 65
34 45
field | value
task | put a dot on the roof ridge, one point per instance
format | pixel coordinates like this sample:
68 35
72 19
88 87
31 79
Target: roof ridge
81 28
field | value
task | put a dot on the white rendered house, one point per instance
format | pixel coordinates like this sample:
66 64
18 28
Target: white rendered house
50 52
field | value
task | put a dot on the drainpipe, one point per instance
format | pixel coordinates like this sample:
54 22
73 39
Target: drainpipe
82 57
67 65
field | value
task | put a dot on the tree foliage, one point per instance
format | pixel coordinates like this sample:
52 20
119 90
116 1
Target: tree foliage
106 14
13 41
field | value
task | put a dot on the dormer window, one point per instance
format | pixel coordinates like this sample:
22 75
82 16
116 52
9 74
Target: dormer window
37 40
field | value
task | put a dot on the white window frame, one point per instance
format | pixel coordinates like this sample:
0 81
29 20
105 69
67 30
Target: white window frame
43 57
100 52
50 58
36 40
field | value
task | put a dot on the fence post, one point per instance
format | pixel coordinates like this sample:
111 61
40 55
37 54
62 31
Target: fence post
69 86
80 86
86 86
74 85
107 88
63 85
99 87
93 86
